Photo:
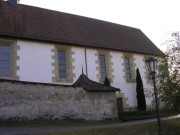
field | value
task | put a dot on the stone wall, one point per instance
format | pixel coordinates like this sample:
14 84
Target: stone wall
34 101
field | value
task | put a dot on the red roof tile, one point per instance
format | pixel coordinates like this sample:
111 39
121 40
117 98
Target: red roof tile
42 24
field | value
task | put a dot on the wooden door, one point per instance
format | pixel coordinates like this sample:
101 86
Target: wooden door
120 107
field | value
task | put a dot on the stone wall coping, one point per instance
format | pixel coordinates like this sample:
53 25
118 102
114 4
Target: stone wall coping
50 84
33 83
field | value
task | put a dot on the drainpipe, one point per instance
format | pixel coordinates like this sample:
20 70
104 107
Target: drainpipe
85 51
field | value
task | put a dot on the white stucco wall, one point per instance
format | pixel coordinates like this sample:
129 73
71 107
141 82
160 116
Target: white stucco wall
91 59
36 66
79 63
35 61
79 57
129 89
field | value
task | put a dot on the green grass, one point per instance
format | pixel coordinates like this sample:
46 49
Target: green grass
170 127
128 130
45 122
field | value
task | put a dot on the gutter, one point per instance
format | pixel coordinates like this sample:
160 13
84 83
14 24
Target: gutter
85 51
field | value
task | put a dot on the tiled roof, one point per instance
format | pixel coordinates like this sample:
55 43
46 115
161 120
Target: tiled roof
46 25
89 85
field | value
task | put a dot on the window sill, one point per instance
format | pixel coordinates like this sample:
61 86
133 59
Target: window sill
8 77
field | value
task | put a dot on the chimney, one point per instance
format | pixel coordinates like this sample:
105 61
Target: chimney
13 2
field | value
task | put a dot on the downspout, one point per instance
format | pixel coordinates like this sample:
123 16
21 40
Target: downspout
85 51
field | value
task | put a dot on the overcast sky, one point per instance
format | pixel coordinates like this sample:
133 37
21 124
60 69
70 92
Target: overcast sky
156 18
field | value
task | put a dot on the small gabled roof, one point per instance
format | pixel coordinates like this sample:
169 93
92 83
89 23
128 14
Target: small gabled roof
33 23
92 86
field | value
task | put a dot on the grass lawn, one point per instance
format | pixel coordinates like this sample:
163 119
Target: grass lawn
170 127
45 122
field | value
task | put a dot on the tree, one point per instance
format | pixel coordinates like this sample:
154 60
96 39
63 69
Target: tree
168 77
140 92
107 82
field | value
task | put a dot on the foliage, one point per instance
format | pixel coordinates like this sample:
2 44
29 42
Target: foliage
168 76
140 92
173 58
107 82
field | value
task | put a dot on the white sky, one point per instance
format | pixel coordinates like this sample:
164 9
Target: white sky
156 18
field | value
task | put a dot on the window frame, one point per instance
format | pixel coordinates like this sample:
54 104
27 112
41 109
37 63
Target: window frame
70 75
62 64
6 61
108 64
127 68
102 66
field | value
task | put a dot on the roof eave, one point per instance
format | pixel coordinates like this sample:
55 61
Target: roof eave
72 43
